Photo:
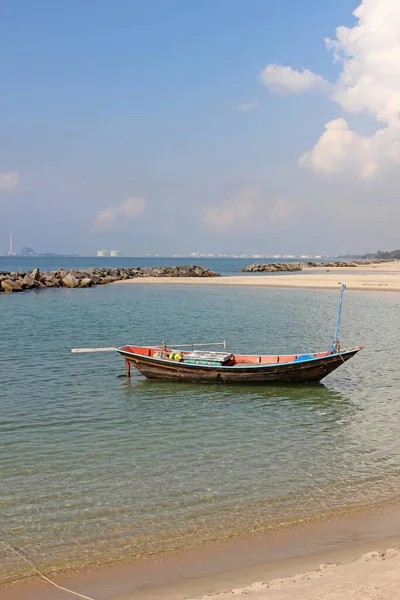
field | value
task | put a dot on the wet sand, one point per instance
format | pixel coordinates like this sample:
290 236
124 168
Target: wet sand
373 277
332 555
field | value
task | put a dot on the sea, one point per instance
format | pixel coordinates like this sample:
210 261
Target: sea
96 468
224 266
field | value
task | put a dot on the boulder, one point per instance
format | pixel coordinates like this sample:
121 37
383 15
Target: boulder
29 281
52 282
86 282
35 274
107 279
8 285
70 281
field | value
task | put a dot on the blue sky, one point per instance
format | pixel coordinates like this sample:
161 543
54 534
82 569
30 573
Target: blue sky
144 126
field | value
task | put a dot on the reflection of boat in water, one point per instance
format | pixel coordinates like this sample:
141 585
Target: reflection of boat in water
307 393
335 401
170 363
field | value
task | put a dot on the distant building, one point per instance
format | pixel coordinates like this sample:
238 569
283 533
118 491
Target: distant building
115 253
103 253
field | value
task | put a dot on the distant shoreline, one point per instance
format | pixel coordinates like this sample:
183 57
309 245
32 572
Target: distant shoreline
357 275
371 277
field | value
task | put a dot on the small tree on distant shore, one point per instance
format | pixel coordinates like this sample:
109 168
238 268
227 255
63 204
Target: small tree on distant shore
381 255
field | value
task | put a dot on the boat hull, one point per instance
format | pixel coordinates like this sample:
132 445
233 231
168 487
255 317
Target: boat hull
311 370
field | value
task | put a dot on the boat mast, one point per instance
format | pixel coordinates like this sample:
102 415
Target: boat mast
336 345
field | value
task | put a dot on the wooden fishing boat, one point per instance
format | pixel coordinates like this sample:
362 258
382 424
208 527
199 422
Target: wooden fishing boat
168 362
172 364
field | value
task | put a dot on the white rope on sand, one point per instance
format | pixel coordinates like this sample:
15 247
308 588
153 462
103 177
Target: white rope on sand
30 562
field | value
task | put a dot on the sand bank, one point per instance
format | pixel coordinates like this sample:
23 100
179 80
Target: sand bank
382 267
389 282
372 277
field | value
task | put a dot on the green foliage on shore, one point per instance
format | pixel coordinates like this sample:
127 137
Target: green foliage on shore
380 254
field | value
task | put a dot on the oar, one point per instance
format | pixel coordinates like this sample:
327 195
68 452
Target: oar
92 349
192 345
75 350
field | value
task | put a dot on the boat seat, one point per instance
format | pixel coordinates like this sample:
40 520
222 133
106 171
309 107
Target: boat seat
248 360
268 360
286 359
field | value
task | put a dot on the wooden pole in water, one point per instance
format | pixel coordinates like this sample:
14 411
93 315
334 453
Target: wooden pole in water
128 368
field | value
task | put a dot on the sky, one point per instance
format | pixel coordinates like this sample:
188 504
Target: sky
220 126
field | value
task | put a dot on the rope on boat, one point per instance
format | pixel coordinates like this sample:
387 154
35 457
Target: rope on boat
30 562
349 367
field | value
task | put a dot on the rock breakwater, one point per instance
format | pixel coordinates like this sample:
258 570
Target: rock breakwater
272 267
299 266
84 278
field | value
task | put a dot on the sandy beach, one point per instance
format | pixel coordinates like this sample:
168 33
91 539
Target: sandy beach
375 575
350 557
372 277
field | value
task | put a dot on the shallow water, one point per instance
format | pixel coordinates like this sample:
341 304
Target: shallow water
94 467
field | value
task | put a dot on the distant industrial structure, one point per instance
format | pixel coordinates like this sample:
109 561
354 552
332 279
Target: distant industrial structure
108 253
11 250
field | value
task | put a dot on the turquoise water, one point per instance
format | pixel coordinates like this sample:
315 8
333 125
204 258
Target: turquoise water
94 467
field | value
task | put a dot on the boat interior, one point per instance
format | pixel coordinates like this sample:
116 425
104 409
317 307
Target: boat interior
215 357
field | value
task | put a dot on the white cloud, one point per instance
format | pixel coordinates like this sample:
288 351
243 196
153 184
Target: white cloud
369 83
9 181
117 215
235 216
247 107
249 213
340 149
285 80
370 55
285 210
